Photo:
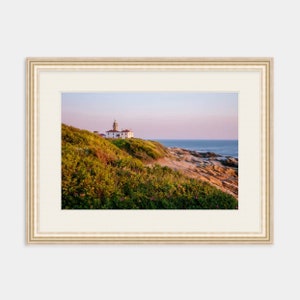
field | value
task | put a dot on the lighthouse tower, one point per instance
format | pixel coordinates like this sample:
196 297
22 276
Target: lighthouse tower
116 134
115 126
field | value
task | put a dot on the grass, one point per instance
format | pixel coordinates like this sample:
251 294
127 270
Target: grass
144 150
99 173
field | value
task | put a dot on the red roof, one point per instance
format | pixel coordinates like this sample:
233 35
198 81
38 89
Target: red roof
112 130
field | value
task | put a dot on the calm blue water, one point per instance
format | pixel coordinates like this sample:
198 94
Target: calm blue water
222 147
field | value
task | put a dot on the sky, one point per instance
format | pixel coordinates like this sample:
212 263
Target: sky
155 115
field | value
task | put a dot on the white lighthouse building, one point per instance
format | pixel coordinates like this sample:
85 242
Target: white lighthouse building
115 133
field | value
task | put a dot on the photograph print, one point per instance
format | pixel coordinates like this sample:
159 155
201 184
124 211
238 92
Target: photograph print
149 150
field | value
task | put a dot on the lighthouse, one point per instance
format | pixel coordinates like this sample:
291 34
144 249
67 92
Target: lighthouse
115 133
115 126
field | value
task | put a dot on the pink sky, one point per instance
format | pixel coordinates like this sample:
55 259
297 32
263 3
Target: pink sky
155 115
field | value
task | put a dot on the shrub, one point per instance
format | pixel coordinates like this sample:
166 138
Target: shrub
98 173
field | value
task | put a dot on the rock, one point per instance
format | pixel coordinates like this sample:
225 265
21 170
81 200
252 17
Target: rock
230 162
203 154
205 166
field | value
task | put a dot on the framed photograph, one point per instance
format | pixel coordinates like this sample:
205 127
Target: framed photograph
149 150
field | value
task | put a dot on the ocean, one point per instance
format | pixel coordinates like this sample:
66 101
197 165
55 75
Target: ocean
221 147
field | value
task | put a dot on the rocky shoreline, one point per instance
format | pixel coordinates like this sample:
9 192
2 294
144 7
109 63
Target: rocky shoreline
219 171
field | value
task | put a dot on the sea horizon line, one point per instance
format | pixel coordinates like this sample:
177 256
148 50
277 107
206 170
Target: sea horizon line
192 139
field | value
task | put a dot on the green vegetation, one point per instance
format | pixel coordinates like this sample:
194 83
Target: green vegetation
98 173
144 150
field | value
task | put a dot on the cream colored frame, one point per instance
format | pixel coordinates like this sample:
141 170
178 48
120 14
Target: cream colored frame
33 64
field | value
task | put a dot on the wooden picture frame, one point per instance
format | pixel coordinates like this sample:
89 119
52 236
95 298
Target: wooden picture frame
250 78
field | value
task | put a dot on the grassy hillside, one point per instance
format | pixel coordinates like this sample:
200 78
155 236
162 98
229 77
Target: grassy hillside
98 173
144 150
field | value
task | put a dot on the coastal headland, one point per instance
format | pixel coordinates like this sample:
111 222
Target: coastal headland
219 171
132 173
